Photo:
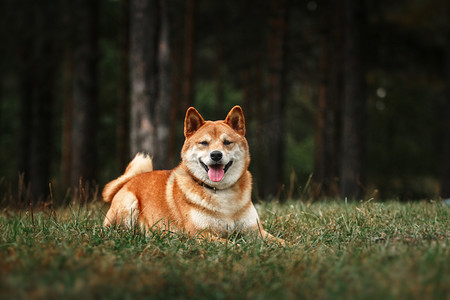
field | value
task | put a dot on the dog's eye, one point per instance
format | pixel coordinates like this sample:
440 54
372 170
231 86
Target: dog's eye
204 143
226 142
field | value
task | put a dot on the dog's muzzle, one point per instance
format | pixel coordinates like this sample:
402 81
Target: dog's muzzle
216 171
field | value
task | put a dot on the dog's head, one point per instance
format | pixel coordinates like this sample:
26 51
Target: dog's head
215 152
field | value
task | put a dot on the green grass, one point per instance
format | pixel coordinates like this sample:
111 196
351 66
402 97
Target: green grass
337 251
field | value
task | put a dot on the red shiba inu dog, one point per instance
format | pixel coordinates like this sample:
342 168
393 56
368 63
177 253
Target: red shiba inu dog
208 194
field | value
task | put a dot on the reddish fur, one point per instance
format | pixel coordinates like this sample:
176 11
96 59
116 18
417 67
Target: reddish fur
146 196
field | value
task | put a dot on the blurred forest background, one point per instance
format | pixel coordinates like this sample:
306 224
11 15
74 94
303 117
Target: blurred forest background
342 98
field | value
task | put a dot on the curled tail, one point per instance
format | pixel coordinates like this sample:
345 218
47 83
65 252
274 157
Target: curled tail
141 163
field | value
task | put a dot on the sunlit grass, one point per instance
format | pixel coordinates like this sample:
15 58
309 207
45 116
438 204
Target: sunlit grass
337 250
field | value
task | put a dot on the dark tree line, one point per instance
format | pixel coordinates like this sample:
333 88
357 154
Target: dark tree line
94 82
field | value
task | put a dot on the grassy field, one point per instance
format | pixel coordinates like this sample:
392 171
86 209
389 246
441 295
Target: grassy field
337 251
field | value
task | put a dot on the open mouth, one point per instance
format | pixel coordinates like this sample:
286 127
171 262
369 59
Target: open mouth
216 172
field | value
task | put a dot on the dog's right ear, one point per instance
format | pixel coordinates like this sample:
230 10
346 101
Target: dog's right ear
192 122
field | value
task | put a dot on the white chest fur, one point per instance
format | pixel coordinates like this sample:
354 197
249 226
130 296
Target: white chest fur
221 211
222 224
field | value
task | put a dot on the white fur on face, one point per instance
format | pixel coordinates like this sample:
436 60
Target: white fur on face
235 153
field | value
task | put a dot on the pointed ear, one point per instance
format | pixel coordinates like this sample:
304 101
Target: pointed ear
192 122
235 119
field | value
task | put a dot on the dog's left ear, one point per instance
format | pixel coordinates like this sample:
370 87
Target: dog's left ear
192 122
235 119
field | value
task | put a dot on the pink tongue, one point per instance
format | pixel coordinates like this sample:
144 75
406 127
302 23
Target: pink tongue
216 173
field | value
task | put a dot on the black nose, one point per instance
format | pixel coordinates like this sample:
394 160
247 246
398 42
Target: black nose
216 155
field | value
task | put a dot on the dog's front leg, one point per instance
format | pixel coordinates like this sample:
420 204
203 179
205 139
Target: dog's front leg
265 235
268 236
211 237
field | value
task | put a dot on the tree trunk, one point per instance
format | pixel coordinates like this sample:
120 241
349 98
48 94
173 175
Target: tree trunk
189 54
143 75
219 86
41 123
1 110
37 99
246 96
219 70
66 156
162 112
445 184
277 95
85 93
320 159
27 87
354 103
150 76
260 155
26 103
2 53
174 115
326 135
123 151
